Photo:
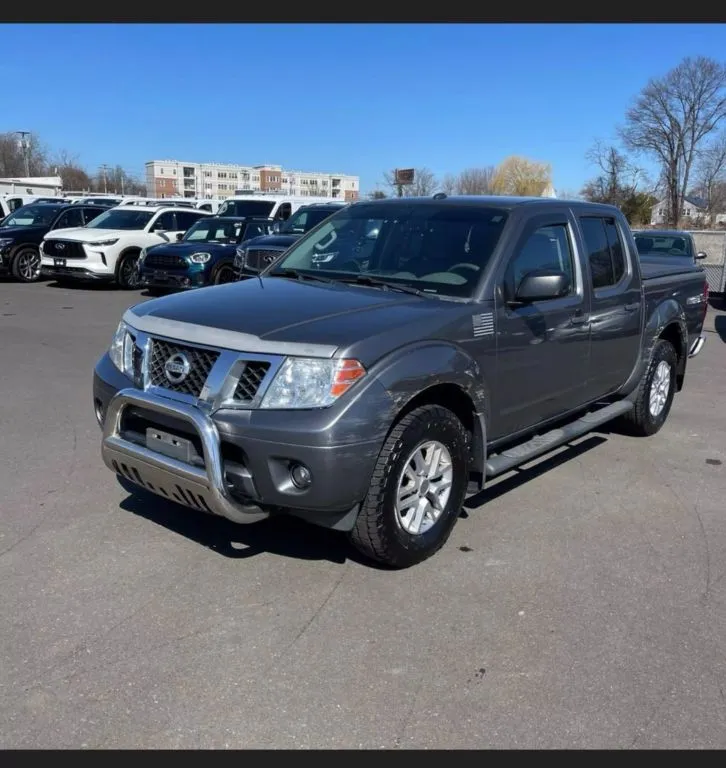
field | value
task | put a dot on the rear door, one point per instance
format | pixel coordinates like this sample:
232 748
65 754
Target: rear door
617 309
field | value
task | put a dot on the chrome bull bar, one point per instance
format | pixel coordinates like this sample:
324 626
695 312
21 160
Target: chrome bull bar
696 346
201 489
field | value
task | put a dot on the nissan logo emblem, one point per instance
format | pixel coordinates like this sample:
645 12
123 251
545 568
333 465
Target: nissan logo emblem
270 258
60 246
177 367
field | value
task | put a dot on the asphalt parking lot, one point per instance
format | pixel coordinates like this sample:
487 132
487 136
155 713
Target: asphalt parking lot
579 607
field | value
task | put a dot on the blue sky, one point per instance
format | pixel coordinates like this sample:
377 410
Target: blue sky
346 98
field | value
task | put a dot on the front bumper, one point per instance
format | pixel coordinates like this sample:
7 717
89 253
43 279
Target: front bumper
247 456
93 267
179 280
204 489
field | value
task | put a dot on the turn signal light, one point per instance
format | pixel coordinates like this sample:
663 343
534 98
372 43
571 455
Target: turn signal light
346 374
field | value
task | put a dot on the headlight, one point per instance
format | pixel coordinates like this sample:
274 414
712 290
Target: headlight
122 349
142 255
311 383
240 255
102 243
5 241
200 258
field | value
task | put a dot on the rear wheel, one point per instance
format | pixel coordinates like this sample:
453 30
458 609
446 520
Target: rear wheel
127 275
654 397
26 264
417 489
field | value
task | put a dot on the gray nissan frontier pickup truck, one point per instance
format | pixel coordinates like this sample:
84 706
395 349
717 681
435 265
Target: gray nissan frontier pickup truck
392 360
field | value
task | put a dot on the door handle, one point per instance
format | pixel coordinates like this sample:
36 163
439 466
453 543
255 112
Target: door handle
632 307
578 318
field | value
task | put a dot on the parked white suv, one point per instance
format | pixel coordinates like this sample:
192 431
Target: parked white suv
108 248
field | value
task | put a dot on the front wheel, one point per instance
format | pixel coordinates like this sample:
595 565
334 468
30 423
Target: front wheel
654 397
224 274
26 265
417 489
128 272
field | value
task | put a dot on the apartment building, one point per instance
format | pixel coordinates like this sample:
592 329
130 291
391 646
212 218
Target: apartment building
172 178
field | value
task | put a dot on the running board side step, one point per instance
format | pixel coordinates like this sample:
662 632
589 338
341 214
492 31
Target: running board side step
541 444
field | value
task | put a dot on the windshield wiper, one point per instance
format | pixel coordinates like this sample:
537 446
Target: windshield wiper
289 272
378 283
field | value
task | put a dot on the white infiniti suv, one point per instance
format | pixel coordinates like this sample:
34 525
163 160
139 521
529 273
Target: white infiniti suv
108 247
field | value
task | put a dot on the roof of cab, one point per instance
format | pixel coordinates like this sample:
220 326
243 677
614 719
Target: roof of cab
489 201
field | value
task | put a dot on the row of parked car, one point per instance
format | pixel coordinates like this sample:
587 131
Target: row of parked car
152 244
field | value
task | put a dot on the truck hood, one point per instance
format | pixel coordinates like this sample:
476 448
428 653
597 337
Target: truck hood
85 235
277 315
271 241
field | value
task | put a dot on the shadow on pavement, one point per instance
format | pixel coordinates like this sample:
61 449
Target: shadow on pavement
280 535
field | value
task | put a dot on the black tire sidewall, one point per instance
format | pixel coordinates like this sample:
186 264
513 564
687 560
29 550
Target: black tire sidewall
16 257
220 270
443 426
662 352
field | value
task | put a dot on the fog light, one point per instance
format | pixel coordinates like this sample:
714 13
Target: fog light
301 477
186 281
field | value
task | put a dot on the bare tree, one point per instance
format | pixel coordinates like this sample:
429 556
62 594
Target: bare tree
424 183
711 175
73 176
672 116
377 194
618 179
475 181
522 177
448 183
12 159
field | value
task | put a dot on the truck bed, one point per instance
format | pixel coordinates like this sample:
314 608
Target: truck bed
652 267
678 278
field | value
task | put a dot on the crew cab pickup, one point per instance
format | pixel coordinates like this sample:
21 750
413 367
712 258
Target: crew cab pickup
109 247
367 383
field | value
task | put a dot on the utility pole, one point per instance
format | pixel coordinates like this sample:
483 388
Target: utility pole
25 146
104 168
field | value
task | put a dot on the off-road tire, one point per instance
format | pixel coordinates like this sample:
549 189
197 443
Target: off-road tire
376 532
640 421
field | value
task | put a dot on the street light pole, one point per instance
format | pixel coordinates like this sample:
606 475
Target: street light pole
25 146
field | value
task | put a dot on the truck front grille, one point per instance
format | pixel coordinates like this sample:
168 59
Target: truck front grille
259 258
164 261
200 364
250 381
66 249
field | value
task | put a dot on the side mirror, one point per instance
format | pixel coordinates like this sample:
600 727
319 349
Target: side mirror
541 285
701 255
179 236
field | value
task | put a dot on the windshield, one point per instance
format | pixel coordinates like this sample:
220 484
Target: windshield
118 218
655 244
437 249
212 230
304 220
246 208
31 215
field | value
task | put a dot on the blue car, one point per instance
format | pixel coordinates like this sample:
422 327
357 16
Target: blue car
204 255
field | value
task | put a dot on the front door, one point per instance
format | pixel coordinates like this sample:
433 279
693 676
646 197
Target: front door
543 347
